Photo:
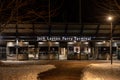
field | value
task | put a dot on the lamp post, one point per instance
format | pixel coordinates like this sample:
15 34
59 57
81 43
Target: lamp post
110 18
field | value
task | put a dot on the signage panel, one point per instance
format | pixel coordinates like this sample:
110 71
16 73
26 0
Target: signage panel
62 38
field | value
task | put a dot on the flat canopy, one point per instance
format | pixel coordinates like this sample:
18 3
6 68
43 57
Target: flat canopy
30 31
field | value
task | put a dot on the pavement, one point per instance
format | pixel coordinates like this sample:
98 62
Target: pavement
65 70
60 70
23 70
102 71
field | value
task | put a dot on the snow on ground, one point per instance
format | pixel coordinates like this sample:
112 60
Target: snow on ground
102 71
23 72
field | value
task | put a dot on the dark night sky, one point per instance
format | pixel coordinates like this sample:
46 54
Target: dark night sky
65 11
91 13
88 11
71 12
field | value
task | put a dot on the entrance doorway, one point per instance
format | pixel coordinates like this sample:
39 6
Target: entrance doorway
63 54
31 52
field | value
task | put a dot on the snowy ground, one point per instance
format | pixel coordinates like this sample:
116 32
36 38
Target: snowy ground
24 72
102 71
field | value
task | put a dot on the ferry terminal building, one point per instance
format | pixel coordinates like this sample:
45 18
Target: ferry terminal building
59 41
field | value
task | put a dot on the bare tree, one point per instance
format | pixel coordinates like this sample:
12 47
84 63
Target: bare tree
108 7
26 11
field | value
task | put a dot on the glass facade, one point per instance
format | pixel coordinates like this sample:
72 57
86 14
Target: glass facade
64 42
52 50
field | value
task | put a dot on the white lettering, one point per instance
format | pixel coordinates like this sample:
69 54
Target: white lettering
41 39
63 38
67 38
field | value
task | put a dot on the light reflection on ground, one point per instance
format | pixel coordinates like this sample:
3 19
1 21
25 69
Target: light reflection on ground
26 71
103 71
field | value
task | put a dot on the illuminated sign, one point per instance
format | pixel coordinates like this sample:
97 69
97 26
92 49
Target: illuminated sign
62 38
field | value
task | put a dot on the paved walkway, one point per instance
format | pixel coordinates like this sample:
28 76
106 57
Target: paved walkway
23 70
65 70
102 71
31 70
60 70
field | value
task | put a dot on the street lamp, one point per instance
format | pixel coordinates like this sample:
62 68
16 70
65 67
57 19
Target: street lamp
110 18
